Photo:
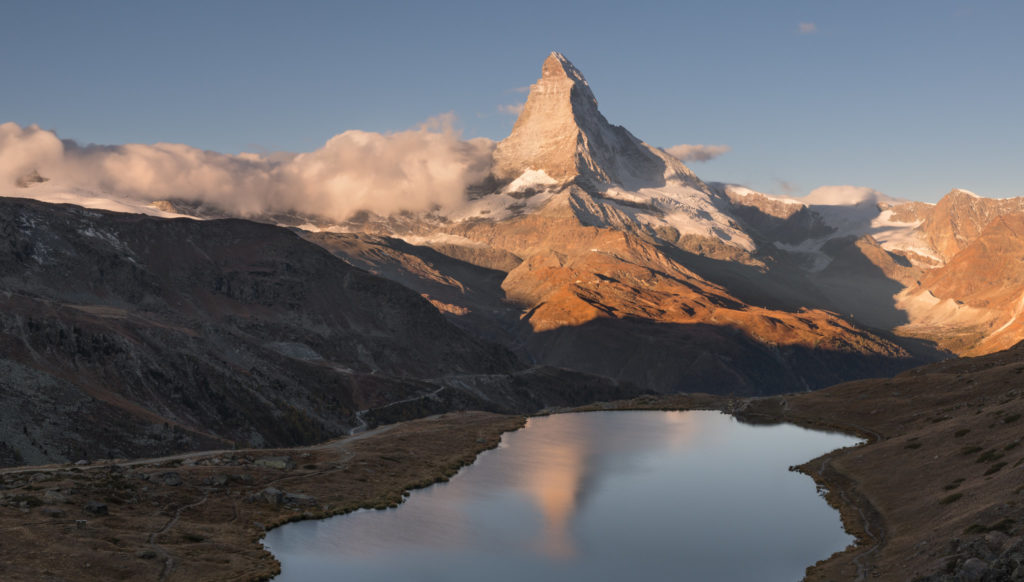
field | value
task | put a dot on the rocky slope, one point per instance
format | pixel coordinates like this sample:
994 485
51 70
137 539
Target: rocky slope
124 335
960 217
936 495
585 240
946 273
607 255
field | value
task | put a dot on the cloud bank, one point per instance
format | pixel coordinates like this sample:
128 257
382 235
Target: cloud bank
415 170
696 153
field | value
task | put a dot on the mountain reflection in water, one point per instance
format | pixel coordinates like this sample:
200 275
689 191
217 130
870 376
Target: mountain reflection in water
561 464
595 496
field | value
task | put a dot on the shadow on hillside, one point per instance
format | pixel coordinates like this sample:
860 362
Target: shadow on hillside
667 357
851 286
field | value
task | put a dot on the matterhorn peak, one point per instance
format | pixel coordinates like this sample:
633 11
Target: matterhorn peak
557 69
561 133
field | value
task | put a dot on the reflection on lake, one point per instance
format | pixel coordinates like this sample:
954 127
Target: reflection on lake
595 496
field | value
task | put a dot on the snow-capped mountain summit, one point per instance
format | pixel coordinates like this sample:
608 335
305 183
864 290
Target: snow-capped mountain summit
602 253
562 139
580 246
562 133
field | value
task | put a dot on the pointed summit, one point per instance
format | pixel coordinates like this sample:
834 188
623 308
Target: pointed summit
561 132
558 69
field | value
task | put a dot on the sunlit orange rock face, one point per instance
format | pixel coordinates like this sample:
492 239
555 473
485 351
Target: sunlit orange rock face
971 303
575 273
960 217
594 251
988 276
599 280
561 131
602 298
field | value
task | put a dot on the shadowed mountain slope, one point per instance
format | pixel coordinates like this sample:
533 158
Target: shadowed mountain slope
597 242
125 335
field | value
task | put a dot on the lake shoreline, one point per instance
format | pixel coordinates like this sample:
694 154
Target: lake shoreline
918 504
859 516
202 516
167 556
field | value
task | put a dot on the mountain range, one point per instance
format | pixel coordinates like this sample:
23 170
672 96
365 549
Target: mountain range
586 265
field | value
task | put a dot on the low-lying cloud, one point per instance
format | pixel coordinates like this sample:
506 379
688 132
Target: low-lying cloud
415 170
697 152
845 195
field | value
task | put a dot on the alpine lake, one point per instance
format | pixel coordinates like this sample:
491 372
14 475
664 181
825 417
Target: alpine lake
625 495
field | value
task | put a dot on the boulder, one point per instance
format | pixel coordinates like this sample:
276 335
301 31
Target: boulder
170 478
97 508
972 571
272 495
282 463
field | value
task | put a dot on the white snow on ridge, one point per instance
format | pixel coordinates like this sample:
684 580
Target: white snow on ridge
681 206
530 179
900 236
57 194
498 206
853 211
968 192
736 190
440 238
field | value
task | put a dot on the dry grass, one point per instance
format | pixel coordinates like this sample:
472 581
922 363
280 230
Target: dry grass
208 528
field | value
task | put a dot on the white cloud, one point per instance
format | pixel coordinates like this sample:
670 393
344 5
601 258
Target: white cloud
697 153
845 195
808 28
413 170
513 109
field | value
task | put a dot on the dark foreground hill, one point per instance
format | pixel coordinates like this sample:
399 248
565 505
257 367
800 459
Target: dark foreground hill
124 336
936 494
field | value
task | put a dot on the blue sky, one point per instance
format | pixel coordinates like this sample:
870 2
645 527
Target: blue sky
910 98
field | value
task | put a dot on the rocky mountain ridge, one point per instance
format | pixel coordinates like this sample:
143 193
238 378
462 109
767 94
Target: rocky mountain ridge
618 260
589 249
943 272
123 335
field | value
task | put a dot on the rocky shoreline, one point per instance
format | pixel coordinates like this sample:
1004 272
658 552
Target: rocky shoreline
201 516
936 492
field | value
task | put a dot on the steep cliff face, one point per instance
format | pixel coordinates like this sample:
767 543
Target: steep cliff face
960 216
619 252
945 273
973 303
566 178
586 243
561 132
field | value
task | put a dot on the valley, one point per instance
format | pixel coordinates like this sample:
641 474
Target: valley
179 374
936 491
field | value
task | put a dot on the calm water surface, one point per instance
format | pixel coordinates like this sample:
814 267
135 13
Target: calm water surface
680 496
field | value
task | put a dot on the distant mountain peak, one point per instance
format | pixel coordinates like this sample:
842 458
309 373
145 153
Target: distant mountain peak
562 133
557 68
962 192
